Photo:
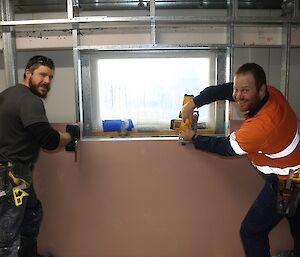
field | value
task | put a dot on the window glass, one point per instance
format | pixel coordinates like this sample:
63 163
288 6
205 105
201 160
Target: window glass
146 90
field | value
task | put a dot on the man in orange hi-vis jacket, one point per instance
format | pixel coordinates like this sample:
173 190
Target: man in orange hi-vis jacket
270 137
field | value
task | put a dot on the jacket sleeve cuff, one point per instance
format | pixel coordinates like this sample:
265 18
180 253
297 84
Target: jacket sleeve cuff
194 137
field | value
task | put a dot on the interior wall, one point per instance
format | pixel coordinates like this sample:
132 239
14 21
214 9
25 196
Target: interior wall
269 59
60 103
146 199
294 89
2 74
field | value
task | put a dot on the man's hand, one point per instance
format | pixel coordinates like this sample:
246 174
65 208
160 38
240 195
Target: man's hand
187 110
187 134
74 131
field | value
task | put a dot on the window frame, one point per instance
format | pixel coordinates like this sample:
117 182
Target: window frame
88 57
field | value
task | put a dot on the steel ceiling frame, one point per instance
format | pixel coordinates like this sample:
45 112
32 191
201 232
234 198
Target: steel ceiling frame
30 6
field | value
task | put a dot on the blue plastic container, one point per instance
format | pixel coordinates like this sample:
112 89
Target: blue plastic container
117 125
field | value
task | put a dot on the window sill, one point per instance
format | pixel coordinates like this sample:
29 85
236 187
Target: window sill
134 134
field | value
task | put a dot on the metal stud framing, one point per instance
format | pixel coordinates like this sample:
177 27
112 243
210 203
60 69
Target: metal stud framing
9 44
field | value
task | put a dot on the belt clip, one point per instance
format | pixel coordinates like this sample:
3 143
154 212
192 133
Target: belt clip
18 191
18 195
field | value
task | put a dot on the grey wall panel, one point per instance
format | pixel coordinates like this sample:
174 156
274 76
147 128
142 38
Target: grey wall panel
294 90
273 76
2 75
60 103
268 58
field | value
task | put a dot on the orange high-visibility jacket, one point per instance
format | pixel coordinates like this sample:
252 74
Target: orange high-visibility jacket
271 137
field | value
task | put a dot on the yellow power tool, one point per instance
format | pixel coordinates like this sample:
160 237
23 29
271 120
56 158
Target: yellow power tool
179 124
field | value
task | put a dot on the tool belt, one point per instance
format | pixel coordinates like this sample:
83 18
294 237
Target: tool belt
11 184
288 193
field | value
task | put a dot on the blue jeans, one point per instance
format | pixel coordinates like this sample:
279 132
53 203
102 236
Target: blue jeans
261 218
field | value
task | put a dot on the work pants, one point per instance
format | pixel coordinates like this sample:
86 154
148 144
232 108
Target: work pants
261 218
18 222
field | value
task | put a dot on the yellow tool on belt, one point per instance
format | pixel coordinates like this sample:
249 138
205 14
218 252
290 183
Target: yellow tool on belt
180 124
294 176
288 194
18 191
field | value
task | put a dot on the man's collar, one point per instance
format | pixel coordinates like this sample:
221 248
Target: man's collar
255 110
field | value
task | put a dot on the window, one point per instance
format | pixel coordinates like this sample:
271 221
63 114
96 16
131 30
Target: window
143 88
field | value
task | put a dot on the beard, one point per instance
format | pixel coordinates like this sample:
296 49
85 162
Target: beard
34 89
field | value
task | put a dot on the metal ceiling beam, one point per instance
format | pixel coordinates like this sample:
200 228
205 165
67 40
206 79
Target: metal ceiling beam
31 6
146 19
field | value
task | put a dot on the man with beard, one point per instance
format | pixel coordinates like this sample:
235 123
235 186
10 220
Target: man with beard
269 136
24 129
